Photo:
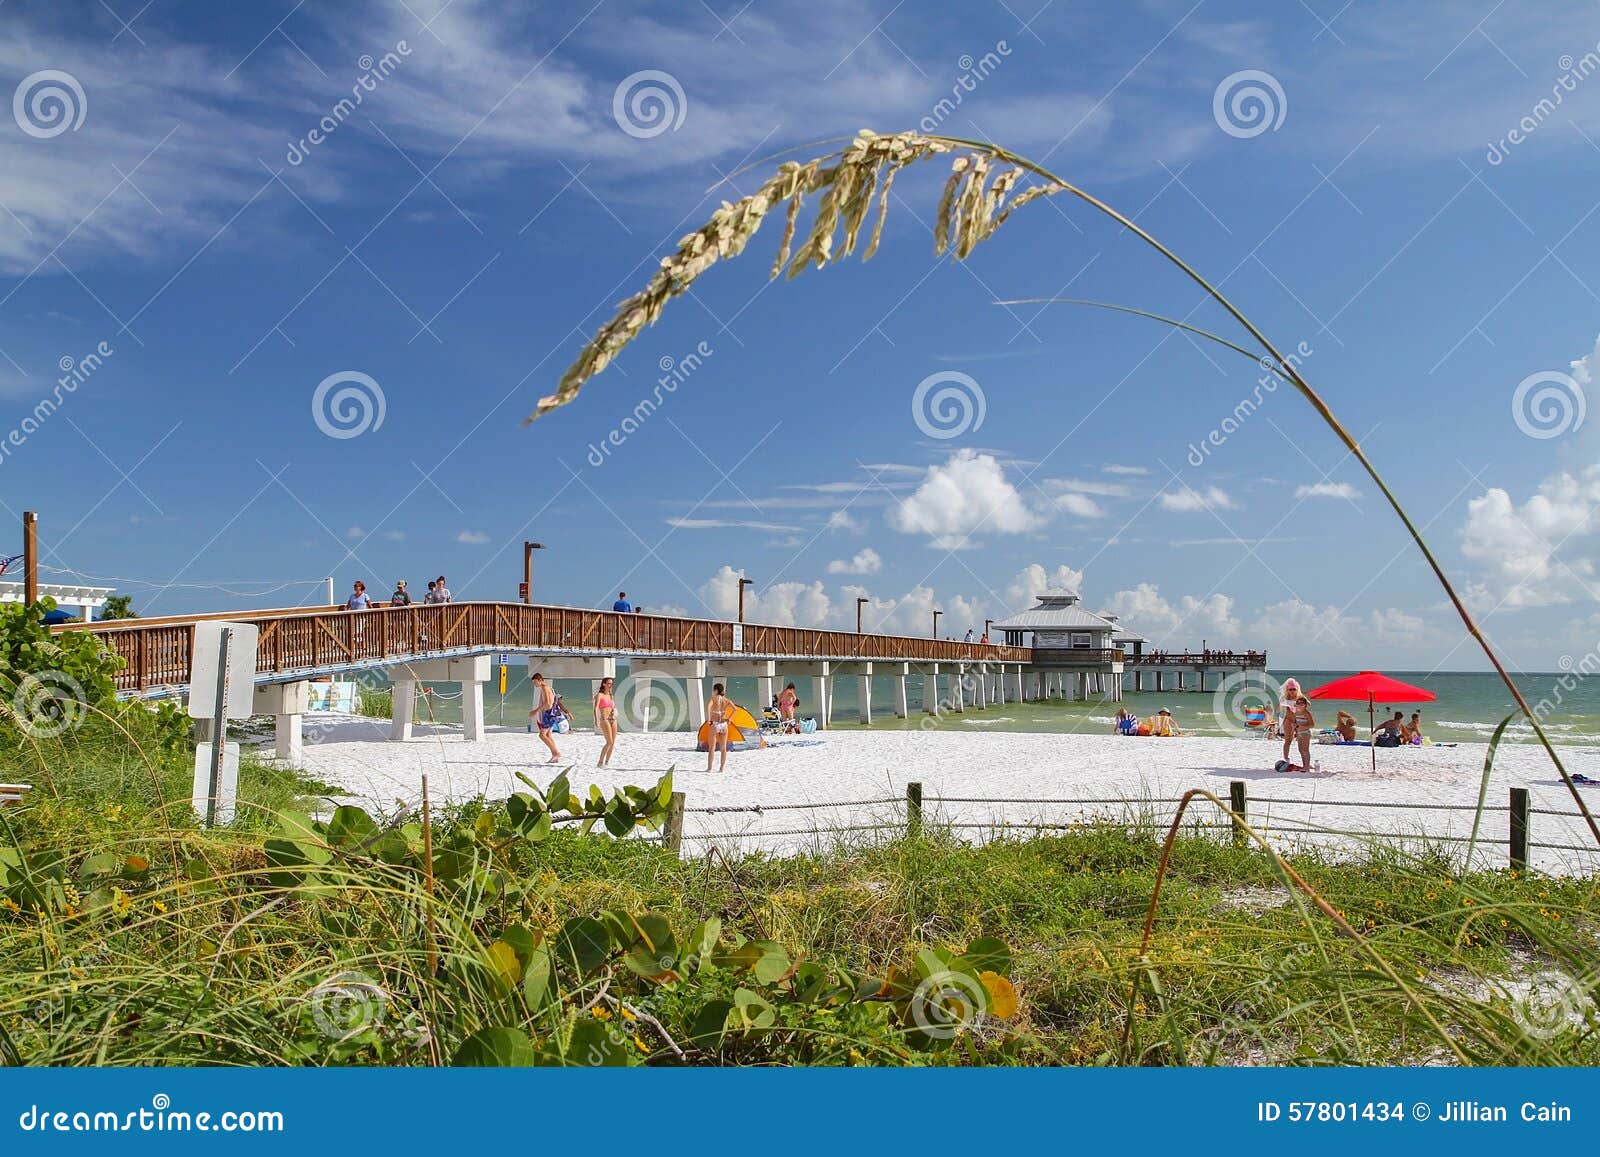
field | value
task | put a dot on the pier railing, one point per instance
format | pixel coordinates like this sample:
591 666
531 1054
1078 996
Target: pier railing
159 652
1200 659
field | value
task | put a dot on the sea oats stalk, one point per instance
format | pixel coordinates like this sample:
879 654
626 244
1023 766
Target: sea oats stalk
971 208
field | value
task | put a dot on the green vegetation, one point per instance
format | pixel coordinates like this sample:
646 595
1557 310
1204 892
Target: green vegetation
533 930
531 934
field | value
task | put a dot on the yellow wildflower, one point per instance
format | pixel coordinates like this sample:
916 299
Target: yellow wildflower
627 1013
602 1013
639 1042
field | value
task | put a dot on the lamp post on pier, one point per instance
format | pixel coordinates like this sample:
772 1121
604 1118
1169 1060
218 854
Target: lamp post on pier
936 615
527 569
860 602
743 582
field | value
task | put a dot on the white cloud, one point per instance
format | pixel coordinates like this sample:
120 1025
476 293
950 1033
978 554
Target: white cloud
472 537
1328 490
393 535
967 496
1517 546
844 520
355 534
1078 505
784 604
865 562
1088 486
1033 580
727 523
1144 609
1114 468
1189 499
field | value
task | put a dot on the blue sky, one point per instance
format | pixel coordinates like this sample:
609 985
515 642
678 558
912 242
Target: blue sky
457 236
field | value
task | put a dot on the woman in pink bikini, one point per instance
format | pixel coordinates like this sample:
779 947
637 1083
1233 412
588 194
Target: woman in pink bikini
605 718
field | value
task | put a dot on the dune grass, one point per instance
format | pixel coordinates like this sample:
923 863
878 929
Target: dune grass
132 936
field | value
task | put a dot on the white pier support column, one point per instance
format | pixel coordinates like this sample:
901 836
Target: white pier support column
761 670
1020 684
405 706
471 673
818 672
863 673
286 703
980 692
1000 685
958 688
471 709
930 686
693 674
897 672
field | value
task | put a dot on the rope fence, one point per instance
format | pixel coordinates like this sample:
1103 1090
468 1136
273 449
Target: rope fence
1517 841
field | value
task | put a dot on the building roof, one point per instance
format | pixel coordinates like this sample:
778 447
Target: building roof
73 593
1123 635
1056 611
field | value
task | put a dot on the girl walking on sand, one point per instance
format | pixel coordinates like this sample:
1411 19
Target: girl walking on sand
544 715
1291 692
605 718
719 710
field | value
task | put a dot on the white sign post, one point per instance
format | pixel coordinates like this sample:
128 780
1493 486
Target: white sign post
222 675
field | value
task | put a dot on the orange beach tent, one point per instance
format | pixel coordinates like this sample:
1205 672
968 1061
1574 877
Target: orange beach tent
744 733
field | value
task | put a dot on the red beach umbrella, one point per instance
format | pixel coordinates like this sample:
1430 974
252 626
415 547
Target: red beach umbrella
1374 687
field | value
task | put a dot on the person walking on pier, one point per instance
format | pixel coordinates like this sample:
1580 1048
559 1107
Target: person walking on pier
544 715
622 605
719 711
441 590
358 600
605 718
401 596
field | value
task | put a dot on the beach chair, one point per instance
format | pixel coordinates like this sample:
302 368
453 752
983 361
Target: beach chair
12 794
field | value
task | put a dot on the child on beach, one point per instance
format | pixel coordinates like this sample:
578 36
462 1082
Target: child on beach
1302 725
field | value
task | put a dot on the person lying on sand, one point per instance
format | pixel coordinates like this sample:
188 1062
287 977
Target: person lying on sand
1162 724
1346 726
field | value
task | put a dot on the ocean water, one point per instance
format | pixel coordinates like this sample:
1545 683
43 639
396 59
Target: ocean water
1467 710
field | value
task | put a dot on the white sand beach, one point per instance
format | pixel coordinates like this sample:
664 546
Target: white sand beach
848 765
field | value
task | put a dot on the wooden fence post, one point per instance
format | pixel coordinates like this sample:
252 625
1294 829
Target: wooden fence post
914 810
1236 802
1519 827
672 830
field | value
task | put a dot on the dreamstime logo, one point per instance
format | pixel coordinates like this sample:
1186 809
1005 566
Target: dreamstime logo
1548 404
1271 377
48 704
947 1002
1573 72
372 73
48 103
346 1005
1248 103
351 411
648 103
1238 697
948 404
973 73
674 372
1552 1003
652 701
74 373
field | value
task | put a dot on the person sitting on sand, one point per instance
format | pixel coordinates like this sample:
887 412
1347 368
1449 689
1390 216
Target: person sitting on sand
1346 726
1387 733
1412 732
1162 724
1127 724
1302 726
